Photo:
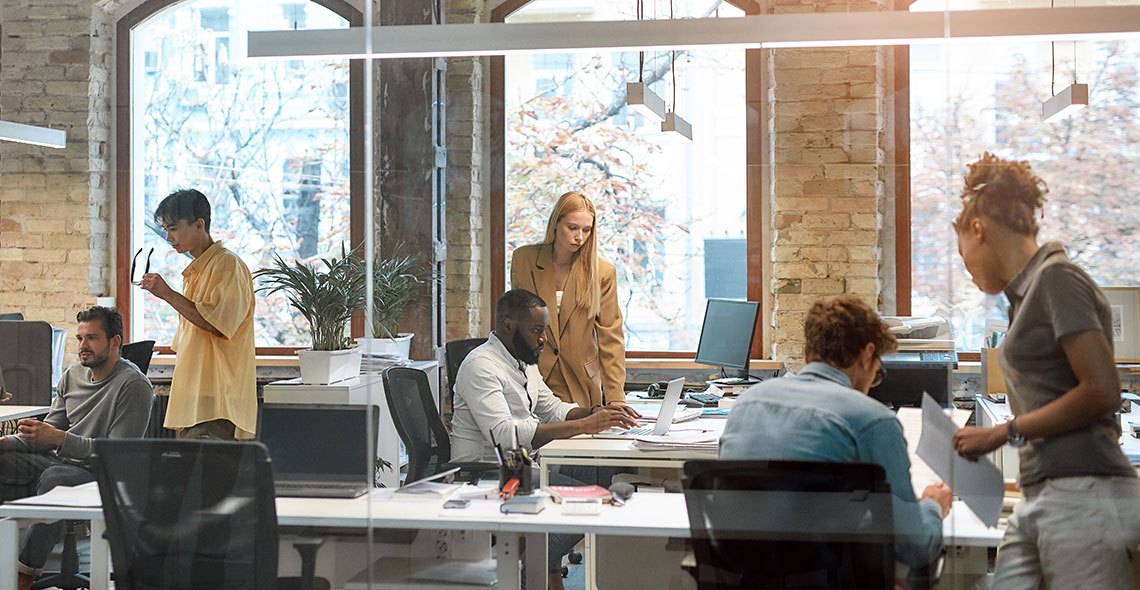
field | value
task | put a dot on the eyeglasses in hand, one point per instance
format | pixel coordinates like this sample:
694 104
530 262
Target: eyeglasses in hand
134 262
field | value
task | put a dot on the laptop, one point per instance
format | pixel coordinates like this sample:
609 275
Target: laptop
320 450
664 417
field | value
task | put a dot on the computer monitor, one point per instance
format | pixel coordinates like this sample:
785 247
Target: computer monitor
726 336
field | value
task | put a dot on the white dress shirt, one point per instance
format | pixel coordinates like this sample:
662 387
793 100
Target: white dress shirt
496 394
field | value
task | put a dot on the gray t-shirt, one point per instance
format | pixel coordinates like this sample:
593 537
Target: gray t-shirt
116 407
1050 298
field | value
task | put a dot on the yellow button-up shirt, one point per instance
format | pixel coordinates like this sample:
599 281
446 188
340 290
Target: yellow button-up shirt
215 377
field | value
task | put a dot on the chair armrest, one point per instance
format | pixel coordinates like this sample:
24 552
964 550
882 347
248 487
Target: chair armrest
470 471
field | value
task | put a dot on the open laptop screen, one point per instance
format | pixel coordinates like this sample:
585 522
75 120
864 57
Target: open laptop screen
318 442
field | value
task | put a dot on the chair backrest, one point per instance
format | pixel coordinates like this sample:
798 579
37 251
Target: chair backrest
188 514
790 524
139 353
26 359
154 428
417 421
13 316
456 351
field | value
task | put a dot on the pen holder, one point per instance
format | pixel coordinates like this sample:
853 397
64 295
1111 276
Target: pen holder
516 465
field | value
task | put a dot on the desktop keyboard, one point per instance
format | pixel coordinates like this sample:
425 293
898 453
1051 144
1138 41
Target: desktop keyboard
707 399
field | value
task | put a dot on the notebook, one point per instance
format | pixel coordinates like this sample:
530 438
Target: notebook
320 450
664 417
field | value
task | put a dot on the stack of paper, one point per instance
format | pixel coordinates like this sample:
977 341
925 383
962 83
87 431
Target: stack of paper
650 412
426 490
700 441
376 362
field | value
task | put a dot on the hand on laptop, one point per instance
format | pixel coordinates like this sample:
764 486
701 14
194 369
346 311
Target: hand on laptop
606 417
632 413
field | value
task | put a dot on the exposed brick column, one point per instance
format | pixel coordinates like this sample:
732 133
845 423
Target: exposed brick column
55 205
468 268
827 115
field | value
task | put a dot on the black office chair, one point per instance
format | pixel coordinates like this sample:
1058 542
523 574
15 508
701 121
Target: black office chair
790 525
139 353
192 515
456 351
14 316
420 427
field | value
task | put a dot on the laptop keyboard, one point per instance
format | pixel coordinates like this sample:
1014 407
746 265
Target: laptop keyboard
708 399
638 431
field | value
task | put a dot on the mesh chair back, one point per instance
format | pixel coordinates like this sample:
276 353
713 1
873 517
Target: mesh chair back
790 524
139 353
417 420
456 351
188 514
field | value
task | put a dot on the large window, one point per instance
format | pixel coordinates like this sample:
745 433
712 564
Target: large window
967 99
672 213
266 141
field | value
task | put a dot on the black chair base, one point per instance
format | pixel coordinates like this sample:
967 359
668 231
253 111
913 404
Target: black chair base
68 576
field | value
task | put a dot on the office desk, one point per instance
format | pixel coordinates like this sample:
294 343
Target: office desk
8 412
609 452
646 514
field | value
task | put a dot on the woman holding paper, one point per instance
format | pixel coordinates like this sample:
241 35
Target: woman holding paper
1078 524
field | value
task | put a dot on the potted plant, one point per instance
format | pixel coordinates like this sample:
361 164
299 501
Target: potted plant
396 283
327 298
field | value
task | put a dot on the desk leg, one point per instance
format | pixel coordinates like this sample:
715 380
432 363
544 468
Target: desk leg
9 552
507 561
537 560
544 475
100 556
590 556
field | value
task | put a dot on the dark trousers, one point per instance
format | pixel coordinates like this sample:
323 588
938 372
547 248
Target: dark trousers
31 474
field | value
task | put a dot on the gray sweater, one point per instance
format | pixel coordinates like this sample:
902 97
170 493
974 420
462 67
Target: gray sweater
116 407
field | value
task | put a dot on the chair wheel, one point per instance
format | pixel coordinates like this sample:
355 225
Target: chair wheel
565 571
575 557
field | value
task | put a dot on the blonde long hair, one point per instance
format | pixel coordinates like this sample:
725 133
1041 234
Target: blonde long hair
584 265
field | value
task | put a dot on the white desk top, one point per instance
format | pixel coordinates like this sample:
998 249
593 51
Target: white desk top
1000 412
646 514
584 446
8 412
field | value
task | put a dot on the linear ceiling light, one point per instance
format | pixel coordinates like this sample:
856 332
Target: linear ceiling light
675 123
769 31
642 100
18 132
1069 100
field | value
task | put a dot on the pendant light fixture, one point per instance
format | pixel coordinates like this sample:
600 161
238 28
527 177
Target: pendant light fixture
1070 99
638 96
30 134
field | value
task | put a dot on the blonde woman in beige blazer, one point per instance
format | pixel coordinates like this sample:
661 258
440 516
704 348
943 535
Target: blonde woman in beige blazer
583 361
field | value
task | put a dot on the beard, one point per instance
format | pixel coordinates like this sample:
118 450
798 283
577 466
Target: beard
523 351
95 360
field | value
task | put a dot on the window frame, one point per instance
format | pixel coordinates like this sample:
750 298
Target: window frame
757 213
122 146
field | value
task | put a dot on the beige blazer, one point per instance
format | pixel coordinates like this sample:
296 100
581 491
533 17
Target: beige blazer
587 352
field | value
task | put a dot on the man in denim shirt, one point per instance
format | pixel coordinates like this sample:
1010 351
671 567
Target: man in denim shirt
823 414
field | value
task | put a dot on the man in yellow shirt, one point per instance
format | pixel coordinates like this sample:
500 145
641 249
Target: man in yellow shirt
213 393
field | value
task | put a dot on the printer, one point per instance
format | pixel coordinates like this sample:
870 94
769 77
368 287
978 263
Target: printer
925 362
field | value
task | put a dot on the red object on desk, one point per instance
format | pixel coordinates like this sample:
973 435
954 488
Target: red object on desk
509 488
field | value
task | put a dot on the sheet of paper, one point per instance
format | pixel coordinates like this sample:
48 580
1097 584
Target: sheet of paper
979 484
921 475
80 496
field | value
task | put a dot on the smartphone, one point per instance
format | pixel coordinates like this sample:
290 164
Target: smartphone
456 503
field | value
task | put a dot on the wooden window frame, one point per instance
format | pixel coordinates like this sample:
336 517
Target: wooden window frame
755 139
123 196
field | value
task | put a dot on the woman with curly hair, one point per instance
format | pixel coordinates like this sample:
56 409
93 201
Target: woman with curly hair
1078 523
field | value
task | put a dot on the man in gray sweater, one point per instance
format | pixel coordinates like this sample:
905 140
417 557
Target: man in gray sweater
103 396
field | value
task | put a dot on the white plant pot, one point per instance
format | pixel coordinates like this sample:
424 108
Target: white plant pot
321 367
401 345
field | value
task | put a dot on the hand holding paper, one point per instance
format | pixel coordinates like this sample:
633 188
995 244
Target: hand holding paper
978 483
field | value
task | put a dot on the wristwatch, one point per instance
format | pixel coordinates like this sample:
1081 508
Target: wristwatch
1014 438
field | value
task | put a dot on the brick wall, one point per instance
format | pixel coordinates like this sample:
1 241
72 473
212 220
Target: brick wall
468 276
55 205
827 119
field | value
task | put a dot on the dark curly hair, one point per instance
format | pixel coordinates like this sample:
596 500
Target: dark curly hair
836 331
1003 190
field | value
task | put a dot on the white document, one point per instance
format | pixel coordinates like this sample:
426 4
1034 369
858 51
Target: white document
80 496
979 484
921 475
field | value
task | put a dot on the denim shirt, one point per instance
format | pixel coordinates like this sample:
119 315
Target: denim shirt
815 415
